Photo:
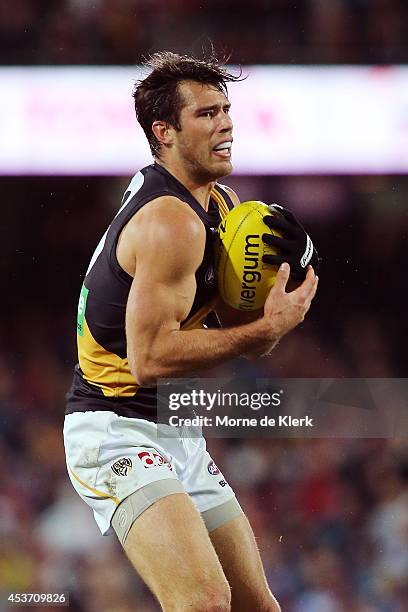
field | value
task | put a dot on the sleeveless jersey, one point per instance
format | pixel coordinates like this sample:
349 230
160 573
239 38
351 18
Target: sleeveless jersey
102 377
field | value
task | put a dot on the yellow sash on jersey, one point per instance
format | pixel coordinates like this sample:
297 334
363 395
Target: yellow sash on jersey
110 372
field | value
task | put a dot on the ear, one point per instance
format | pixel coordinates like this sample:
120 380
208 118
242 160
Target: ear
163 132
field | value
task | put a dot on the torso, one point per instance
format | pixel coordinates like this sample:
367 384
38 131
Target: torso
102 379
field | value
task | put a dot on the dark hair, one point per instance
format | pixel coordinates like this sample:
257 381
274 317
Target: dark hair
157 96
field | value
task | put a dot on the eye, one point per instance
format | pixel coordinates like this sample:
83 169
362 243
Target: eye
207 114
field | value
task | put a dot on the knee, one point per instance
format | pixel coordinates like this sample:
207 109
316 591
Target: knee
270 606
213 598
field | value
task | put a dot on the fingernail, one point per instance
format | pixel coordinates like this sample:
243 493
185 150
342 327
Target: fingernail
284 267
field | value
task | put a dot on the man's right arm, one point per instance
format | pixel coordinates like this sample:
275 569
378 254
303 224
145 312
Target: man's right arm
168 241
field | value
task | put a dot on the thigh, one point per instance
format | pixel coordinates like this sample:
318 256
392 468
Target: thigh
170 548
237 550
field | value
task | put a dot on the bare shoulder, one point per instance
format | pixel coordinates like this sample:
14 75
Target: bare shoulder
235 199
167 229
166 215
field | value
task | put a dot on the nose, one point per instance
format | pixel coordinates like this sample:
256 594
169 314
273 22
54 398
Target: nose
226 123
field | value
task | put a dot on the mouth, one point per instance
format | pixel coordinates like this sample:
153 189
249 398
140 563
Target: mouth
223 150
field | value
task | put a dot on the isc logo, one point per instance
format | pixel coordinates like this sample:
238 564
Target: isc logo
153 460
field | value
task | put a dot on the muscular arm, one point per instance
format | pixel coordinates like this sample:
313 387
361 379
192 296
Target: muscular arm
229 317
169 244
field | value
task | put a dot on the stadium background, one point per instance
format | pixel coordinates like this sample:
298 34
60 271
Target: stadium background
331 516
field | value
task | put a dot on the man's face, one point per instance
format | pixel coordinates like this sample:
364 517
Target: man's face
204 143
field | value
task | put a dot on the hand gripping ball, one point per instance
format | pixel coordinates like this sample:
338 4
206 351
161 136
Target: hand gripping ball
244 281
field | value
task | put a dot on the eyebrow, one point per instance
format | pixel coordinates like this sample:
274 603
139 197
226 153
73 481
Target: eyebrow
213 107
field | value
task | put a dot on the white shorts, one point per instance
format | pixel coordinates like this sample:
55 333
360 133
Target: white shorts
110 457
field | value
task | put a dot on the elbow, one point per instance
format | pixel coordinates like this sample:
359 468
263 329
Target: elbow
145 376
144 372
145 379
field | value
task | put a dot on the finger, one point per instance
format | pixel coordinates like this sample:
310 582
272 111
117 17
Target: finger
316 284
276 218
288 214
306 288
306 301
282 277
309 287
310 276
272 240
273 260
273 207
309 299
313 290
279 223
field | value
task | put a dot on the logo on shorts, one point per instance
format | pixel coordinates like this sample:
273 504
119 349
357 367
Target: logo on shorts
222 483
212 468
122 467
153 460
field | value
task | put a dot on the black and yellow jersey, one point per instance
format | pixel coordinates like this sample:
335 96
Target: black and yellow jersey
102 377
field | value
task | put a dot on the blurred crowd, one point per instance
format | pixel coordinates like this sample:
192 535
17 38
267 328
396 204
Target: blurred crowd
261 31
330 516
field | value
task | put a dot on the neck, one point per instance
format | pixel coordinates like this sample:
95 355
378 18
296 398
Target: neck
200 190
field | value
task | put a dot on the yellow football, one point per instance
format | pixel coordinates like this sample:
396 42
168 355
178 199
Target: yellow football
244 281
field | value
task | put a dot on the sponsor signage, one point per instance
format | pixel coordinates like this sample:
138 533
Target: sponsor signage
287 120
